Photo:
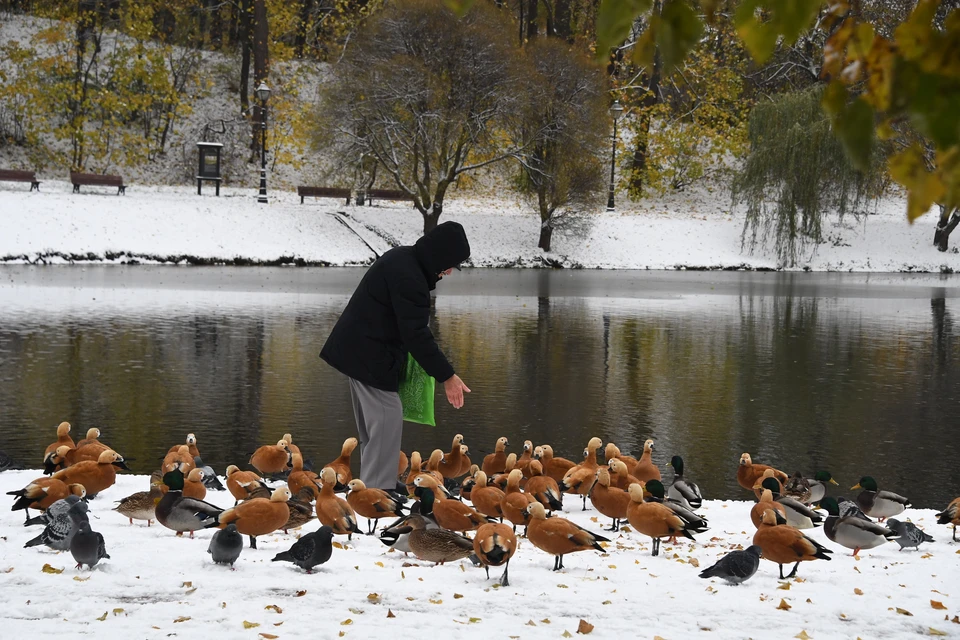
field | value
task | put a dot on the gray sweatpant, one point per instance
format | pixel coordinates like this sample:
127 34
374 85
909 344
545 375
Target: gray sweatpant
379 417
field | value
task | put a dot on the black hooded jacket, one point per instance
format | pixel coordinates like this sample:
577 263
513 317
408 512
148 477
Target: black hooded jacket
389 312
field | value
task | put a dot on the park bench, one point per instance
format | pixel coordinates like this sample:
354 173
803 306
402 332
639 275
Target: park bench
97 180
12 175
387 194
322 192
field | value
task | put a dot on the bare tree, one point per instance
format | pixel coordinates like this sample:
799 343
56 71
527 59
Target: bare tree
424 93
562 131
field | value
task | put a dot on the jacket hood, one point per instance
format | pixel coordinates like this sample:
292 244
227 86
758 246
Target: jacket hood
445 247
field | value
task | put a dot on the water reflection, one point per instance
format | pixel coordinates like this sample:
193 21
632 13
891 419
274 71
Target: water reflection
851 373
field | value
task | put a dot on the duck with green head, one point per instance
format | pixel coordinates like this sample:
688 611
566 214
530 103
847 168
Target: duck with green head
180 514
683 491
853 532
694 522
879 504
798 514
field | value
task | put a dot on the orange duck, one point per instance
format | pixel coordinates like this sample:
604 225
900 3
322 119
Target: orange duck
766 502
501 478
553 466
89 448
332 510
581 478
485 497
240 483
92 437
449 466
271 459
298 478
758 485
292 447
180 458
63 440
496 462
523 462
402 465
342 464
612 452
609 500
748 474
372 503
515 502
543 488
654 519
259 516
57 460
191 445
619 476
494 545
468 482
783 544
450 514
646 470
94 476
39 494
558 536
465 461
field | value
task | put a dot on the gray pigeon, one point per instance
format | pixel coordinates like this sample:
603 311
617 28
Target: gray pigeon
736 566
310 550
210 479
87 546
910 535
61 527
226 545
57 508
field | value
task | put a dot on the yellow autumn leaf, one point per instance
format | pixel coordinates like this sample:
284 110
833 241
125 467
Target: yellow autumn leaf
186 584
379 564
268 636
567 634
903 612
858 591
48 569
273 607
531 623
545 621
346 622
936 632
250 625
103 617
606 602
437 601
457 596
562 586
117 611
784 605
694 562
181 619
337 545
584 627
390 613
784 586
342 633
474 620
937 605
802 635
79 579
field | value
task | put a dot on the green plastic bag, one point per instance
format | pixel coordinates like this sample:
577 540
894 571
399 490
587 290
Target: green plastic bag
416 393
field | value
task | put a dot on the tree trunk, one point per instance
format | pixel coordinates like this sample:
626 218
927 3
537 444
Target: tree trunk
431 219
652 97
243 34
546 218
532 28
303 25
944 228
561 20
546 233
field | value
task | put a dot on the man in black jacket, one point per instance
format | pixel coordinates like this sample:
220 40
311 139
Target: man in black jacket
386 318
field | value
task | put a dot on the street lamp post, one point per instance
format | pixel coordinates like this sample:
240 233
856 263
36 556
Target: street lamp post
616 109
263 93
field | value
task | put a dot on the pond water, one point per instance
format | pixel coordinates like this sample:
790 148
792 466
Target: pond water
853 373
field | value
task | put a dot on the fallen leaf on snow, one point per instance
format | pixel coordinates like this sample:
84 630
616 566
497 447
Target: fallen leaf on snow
784 586
606 602
858 591
936 632
584 627
104 617
48 569
694 562
567 634
379 564
457 596
955 620
937 605
181 619
784 605
437 601
250 625
186 584
273 607
79 579
337 545
474 620
302 593
268 636
355 611
903 612
545 621
562 586
346 622
803 635
390 614
374 598
117 611
531 623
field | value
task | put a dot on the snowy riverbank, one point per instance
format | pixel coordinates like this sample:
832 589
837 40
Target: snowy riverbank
155 585
174 225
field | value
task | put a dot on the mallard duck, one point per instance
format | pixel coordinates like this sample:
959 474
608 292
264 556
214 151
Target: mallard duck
798 514
646 469
683 491
558 536
767 474
879 504
543 488
951 515
436 545
693 522
39 495
736 567
553 466
496 461
397 534
485 497
63 440
332 510
372 503
180 514
272 459
95 476
581 478
612 452
494 545
342 464
258 516
450 462
526 455
141 505
784 544
748 473
301 508
450 514
655 519
853 532
239 482
180 457
609 501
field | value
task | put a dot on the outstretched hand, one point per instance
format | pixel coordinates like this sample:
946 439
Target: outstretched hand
455 389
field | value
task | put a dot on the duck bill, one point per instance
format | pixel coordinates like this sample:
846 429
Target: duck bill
856 486
122 465
834 482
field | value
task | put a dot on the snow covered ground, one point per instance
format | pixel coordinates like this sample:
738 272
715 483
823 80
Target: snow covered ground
173 224
156 585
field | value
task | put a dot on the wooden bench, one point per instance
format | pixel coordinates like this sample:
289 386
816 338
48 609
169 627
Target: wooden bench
97 180
12 175
387 194
322 192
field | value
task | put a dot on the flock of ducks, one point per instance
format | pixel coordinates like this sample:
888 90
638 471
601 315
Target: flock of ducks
452 497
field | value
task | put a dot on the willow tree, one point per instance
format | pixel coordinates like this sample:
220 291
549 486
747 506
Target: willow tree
796 173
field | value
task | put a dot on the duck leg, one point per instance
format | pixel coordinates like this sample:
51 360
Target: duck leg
955 533
584 503
561 561
781 572
253 542
487 569
856 551
794 572
504 580
616 525
656 546
369 526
